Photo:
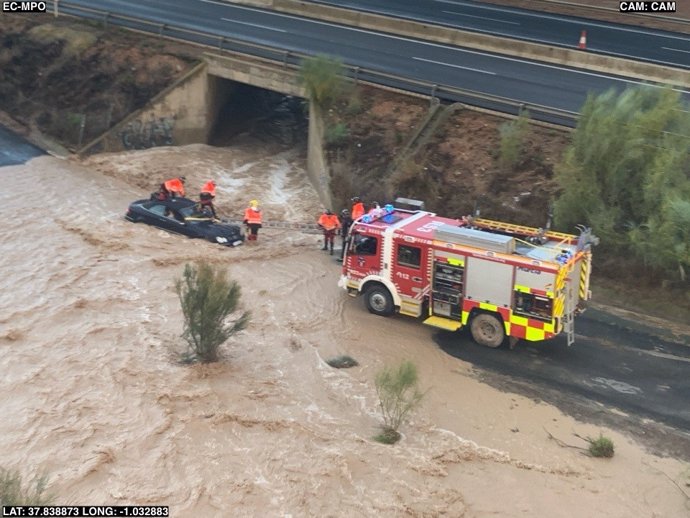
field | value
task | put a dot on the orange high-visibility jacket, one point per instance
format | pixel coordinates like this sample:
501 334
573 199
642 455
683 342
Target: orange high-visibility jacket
357 210
175 185
329 221
209 187
252 216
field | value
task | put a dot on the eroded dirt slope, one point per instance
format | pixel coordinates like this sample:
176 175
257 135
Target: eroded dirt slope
54 72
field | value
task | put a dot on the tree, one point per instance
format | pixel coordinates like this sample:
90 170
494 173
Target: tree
398 395
322 78
207 298
513 135
627 174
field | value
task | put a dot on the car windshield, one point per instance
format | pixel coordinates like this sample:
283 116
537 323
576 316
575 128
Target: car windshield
187 211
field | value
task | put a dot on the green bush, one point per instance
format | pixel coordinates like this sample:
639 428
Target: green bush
336 134
322 78
600 447
207 298
398 392
354 104
627 174
513 135
14 492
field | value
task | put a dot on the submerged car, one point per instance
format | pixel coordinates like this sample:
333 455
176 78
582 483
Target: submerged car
180 215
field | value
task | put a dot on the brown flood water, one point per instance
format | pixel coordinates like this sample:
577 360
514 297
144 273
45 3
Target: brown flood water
93 396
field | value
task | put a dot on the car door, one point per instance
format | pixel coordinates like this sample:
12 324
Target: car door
157 217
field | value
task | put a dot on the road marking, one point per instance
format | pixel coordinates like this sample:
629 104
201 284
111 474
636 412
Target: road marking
447 47
257 25
481 17
666 356
587 23
676 50
454 66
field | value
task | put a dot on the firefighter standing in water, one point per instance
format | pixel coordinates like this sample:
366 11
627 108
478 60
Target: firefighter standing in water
206 197
172 188
345 224
252 218
357 208
330 224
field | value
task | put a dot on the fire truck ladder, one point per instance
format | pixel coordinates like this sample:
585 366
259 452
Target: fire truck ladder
307 228
518 229
569 317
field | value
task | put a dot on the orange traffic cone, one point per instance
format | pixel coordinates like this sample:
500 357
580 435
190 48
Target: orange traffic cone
583 40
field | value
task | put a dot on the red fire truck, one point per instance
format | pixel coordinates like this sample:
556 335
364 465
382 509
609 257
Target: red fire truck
501 280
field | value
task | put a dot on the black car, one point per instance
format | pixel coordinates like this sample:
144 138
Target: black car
181 216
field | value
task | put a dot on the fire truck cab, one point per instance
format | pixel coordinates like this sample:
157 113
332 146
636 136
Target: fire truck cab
501 280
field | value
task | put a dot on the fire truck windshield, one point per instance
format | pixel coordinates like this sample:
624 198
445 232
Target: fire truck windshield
365 245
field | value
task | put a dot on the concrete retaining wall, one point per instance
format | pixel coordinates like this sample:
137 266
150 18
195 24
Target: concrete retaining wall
317 165
547 53
178 115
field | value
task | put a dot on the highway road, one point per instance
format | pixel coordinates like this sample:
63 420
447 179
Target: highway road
620 40
535 84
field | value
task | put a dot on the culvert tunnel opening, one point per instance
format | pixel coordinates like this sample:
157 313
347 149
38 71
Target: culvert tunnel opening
242 109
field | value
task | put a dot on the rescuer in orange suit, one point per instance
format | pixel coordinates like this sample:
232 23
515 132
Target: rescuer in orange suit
357 208
206 197
330 223
173 187
252 218
210 188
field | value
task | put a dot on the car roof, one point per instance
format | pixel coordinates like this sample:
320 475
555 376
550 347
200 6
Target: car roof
173 203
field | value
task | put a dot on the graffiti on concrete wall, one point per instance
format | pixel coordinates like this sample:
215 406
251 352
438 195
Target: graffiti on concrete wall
140 134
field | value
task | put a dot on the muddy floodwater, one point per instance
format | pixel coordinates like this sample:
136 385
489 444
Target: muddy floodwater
92 394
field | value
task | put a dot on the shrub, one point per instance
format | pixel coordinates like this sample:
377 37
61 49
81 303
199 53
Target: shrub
398 395
207 298
354 104
14 492
600 447
336 134
342 362
322 78
513 135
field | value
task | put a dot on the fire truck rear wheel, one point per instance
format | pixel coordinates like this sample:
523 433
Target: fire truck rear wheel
487 330
379 301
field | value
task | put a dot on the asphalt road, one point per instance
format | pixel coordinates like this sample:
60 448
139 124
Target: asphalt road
15 150
621 40
619 373
528 82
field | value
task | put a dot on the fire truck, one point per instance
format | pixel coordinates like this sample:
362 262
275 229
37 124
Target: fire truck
505 282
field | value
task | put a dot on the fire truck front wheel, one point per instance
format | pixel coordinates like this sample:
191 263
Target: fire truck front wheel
487 330
379 301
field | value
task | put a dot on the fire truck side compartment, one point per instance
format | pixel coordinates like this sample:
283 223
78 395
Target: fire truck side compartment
535 279
489 281
476 238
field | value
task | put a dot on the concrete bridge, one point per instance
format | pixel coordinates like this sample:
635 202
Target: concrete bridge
189 110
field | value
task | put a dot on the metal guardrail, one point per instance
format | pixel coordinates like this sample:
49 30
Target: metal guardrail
292 60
